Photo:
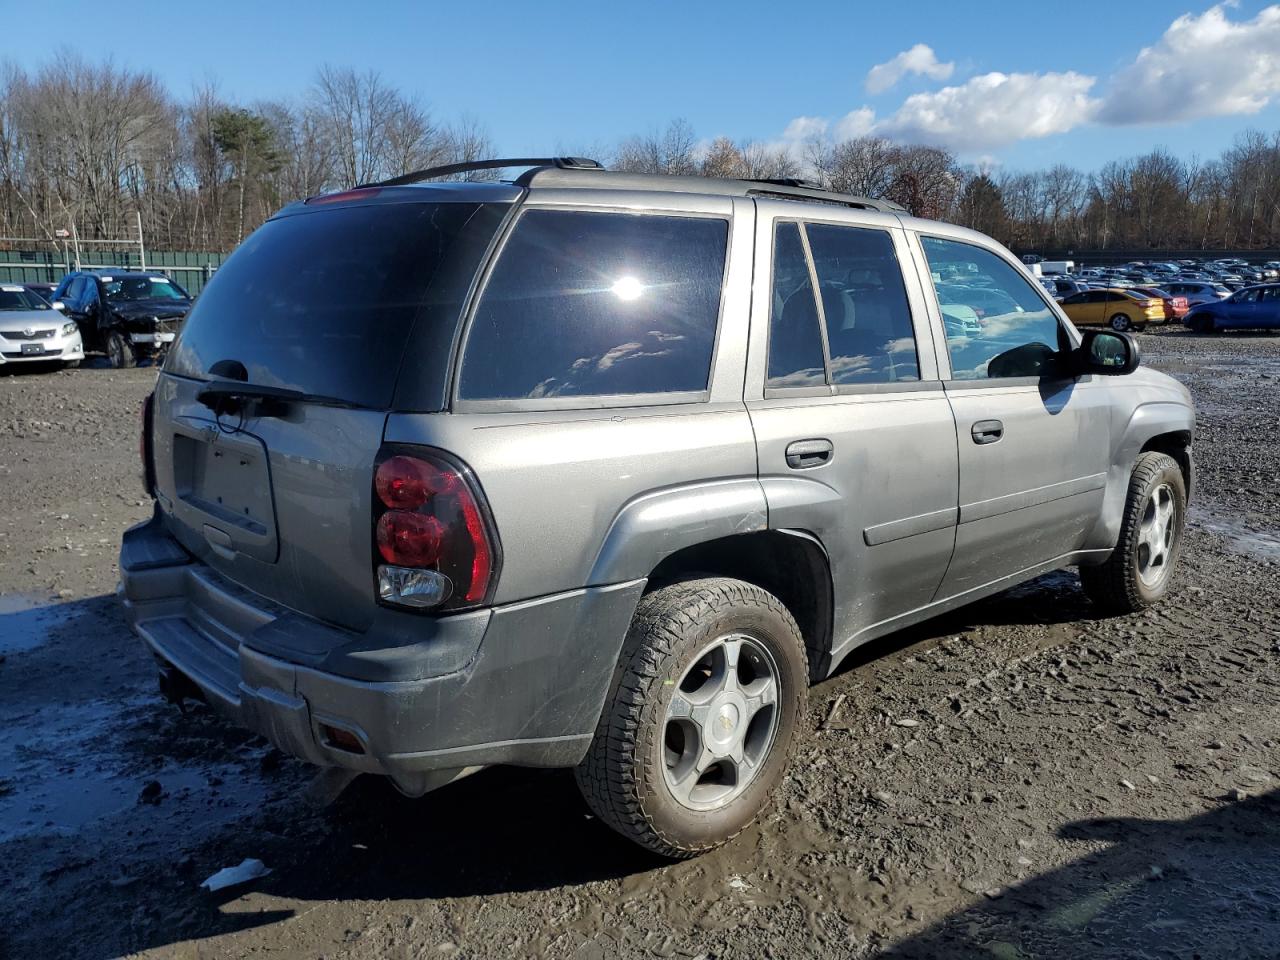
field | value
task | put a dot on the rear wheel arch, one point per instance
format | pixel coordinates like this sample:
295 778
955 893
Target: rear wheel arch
790 564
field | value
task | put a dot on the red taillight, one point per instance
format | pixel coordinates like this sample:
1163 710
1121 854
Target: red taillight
144 444
405 483
429 516
409 539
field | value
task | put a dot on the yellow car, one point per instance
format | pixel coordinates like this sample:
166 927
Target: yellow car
1116 308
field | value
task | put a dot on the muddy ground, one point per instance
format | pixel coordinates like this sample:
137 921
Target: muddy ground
1021 779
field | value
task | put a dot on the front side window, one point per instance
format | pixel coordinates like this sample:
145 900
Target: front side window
1016 333
598 304
864 303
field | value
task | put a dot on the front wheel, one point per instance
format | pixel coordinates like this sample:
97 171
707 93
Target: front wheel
1121 323
706 703
120 351
1200 323
1141 567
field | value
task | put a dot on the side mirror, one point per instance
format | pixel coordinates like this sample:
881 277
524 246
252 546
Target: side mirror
1107 353
58 305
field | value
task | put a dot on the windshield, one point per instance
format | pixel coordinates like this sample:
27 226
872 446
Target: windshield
330 301
18 298
143 288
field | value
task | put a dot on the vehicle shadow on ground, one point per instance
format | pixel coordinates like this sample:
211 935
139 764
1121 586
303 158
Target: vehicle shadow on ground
1054 600
1206 886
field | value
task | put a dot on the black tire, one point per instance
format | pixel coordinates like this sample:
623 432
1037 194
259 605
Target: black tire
1117 586
1120 323
120 351
1201 323
624 774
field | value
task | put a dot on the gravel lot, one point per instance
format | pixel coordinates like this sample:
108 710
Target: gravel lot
1017 780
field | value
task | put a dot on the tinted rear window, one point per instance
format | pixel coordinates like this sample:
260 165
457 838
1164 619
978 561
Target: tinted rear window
593 304
325 302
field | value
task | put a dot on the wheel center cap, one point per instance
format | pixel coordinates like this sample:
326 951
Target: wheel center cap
724 721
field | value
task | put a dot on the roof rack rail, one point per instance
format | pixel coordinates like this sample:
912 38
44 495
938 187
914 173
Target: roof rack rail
793 189
448 169
785 182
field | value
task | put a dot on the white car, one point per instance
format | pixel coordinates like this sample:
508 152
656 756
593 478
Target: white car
1197 291
31 331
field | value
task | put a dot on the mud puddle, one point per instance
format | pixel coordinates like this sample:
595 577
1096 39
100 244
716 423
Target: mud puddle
64 767
1241 537
26 619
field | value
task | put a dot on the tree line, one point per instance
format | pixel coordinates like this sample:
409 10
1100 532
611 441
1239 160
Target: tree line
94 145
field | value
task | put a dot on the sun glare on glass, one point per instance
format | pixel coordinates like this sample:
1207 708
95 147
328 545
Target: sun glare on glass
628 288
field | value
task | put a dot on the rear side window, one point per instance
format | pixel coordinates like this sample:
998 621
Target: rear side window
795 342
864 302
330 302
597 304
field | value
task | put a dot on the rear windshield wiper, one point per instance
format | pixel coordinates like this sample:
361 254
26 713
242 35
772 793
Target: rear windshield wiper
229 396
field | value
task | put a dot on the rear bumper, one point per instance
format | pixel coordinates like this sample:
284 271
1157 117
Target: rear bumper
522 683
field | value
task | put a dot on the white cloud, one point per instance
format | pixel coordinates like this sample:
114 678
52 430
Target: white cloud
802 128
855 123
1203 66
993 110
920 59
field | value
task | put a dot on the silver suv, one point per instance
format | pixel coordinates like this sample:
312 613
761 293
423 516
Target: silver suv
601 471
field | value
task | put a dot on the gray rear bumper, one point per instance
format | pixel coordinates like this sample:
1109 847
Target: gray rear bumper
522 683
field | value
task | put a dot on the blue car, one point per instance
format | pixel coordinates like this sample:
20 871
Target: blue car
1251 308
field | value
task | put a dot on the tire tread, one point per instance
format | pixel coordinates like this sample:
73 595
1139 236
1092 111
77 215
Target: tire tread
1112 585
608 775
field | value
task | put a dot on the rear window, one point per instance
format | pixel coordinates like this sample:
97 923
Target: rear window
597 304
326 301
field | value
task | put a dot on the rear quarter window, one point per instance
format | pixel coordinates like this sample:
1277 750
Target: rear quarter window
583 304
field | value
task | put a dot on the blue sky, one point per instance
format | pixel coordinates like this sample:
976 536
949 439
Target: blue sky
1020 84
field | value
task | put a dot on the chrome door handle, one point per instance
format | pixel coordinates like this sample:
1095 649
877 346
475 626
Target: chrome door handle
803 454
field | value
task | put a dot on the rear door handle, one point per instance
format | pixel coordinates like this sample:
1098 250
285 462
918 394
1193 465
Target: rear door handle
803 454
987 431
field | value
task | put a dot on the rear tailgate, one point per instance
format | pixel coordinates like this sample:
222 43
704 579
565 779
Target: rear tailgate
280 506
331 302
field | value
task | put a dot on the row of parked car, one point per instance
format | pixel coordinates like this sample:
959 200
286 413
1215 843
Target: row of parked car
129 315
1204 295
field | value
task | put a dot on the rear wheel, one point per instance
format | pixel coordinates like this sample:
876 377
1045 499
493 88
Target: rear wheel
707 701
1140 568
120 351
1121 323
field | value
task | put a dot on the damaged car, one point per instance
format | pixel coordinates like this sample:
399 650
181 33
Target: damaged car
129 316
